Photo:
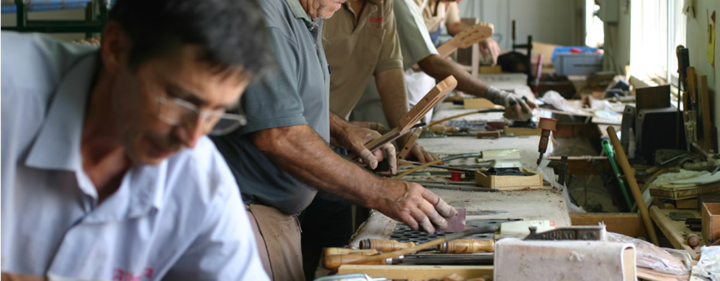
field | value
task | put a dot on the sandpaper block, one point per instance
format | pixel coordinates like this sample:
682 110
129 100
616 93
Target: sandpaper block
456 223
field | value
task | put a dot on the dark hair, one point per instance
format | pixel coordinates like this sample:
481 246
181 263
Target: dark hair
230 32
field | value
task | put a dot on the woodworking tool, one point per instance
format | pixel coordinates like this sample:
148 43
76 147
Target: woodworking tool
428 102
433 243
335 261
467 246
547 125
404 233
568 233
484 213
385 245
345 251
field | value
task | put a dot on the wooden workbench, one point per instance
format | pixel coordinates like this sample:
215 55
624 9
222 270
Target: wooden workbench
544 204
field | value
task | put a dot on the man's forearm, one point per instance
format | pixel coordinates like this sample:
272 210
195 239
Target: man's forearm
393 95
299 151
440 68
456 27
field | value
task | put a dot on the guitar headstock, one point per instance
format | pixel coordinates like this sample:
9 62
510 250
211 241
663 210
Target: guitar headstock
474 34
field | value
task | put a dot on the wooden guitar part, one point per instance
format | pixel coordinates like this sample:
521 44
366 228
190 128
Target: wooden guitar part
467 38
409 144
428 102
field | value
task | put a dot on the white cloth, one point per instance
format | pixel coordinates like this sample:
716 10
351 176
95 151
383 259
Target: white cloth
179 220
418 85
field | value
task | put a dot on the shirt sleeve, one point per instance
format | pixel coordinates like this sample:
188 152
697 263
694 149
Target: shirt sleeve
390 54
452 14
225 248
274 100
414 38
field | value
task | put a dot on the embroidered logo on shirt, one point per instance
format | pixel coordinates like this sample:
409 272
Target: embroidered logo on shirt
376 20
122 275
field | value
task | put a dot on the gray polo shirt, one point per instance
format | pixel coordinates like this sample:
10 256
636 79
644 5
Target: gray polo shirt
295 93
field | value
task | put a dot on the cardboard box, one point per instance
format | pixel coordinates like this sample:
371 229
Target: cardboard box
711 222
530 181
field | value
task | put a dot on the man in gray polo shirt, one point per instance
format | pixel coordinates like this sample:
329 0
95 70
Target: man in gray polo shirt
282 157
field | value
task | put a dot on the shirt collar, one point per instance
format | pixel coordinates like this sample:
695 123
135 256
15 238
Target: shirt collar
298 10
57 146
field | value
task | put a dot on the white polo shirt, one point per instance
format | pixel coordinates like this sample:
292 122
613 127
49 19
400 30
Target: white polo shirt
180 220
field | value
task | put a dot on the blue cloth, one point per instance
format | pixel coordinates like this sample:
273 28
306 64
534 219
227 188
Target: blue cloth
297 92
179 220
434 36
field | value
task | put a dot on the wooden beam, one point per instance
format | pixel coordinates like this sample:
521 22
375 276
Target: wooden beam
629 224
418 272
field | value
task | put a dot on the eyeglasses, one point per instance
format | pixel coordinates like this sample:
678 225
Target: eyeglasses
178 112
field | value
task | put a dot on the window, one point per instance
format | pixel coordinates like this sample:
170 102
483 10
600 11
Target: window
657 27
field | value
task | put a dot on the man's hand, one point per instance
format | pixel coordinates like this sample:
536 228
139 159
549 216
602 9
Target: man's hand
413 205
516 106
311 6
422 155
490 50
354 138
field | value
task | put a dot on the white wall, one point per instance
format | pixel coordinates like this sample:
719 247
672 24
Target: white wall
559 22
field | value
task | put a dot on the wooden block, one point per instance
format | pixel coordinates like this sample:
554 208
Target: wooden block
653 97
523 131
490 69
711 222
478 103
417 272
687 204
532 181
629 224
488 134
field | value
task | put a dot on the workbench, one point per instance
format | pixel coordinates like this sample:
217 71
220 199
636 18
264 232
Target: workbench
540 204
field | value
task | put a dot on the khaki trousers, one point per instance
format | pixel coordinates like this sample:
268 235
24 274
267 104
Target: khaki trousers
278 241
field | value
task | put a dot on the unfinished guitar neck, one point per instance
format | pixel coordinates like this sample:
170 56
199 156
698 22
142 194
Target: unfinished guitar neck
429 101
467 38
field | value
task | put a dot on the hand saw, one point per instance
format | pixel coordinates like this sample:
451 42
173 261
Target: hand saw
467 38
428 102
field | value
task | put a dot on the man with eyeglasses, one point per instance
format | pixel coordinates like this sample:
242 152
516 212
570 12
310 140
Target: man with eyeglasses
281 158
106 173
